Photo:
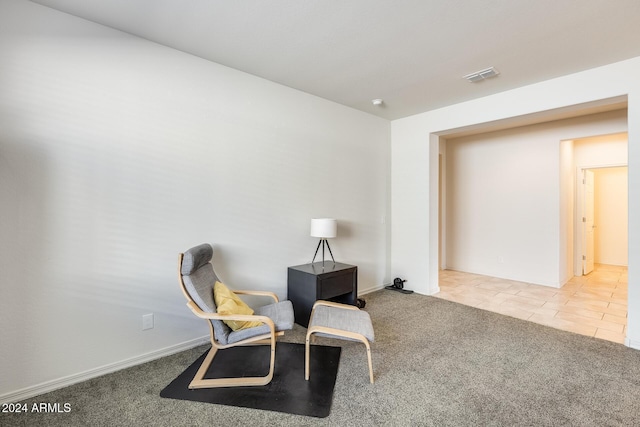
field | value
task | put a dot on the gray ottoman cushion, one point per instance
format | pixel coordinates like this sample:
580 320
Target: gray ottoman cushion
356 321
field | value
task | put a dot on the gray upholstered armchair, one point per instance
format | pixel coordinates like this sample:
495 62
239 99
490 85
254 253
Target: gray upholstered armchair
197 280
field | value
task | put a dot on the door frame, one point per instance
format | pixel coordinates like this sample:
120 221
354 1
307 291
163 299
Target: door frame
588 217
579 231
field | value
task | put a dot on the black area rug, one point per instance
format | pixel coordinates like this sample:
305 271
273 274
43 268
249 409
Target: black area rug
288 391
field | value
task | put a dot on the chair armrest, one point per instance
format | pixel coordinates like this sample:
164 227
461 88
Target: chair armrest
243 317
335 304
259 293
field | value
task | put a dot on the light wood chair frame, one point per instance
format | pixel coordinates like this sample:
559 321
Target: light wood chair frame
337 333
265 339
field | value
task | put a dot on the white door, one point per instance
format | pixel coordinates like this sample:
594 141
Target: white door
587 220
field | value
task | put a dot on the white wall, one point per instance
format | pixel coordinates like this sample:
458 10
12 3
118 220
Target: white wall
117 153
567 211
610 215
601 151
415 143
504 203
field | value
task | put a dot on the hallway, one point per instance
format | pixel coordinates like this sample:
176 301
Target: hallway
593 305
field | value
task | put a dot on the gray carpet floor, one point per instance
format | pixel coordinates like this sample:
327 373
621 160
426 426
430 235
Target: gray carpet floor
436 363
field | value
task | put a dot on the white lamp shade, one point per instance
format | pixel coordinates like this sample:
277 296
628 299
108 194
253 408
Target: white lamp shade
324 228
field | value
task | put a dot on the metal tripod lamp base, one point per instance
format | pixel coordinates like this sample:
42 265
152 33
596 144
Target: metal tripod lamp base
323 242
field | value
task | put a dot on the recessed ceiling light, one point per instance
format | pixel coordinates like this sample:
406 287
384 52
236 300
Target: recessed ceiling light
377 102
478 76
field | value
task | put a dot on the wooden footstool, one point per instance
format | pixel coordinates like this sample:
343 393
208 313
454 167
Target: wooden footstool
343 321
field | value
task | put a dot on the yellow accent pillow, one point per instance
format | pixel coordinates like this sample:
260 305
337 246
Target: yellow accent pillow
228 302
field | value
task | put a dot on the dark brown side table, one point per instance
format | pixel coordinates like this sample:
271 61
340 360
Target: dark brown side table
308 283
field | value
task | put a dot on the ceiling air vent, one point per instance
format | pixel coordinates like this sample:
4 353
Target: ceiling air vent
478 76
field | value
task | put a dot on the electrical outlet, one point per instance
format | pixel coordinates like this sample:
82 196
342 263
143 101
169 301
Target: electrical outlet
147 321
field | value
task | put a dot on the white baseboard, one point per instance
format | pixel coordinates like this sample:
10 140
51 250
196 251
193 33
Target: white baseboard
632 343
46 387
369 290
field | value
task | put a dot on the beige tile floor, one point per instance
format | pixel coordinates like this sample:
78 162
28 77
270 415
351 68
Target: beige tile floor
593 305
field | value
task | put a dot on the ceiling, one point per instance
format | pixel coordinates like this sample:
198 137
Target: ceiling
411 53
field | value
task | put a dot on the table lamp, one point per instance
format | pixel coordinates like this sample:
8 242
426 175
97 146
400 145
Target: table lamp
324 228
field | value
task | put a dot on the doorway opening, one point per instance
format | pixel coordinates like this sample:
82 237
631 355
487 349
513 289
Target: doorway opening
466 206
602 222
601 202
